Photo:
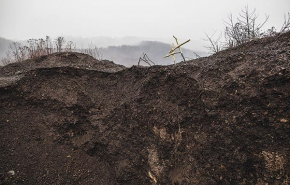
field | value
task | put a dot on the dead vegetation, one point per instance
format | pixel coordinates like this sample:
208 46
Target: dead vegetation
35 48
146 60
243 29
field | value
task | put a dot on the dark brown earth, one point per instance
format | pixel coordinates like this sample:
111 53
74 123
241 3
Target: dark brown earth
70 119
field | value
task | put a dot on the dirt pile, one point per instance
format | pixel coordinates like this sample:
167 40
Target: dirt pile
223 119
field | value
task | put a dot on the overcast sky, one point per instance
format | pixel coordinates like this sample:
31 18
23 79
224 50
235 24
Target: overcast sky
24 19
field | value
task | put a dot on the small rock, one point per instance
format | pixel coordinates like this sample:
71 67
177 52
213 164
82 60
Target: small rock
18 72
283 120
11 172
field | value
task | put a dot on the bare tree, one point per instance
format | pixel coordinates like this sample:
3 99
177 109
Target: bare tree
215 44
94 51
15 52
32 48
145 59
59 42
48 45
70 46
245 29
23 53
39 47
286 25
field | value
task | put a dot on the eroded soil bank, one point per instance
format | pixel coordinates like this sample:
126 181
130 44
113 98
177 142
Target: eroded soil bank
70 119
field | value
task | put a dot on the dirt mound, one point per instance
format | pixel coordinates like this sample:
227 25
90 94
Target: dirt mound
217 120
15 71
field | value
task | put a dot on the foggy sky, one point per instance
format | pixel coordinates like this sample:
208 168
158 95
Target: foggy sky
188 19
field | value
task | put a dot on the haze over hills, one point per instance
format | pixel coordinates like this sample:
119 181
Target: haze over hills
196 44
125 50
4 44
129 55
128 50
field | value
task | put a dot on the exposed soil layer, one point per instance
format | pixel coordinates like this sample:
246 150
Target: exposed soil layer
69 119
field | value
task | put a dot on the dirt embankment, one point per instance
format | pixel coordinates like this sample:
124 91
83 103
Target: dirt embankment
69 119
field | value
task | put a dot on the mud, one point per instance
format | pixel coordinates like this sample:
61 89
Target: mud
67 118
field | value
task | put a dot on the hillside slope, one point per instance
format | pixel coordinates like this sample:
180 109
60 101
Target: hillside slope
223 119
129 54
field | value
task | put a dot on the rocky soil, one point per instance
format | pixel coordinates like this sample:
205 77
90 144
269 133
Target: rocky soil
67 118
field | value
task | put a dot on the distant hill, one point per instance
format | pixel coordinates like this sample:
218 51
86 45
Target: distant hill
125 51
4 44
103 41
100 41
129 54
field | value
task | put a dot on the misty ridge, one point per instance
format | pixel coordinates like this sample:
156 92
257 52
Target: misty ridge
125 51
129 54
129 50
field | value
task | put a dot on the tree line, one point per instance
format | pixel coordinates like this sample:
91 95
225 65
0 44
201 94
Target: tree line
243 29
39 47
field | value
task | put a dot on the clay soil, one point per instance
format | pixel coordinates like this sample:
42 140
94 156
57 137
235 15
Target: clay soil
67 118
